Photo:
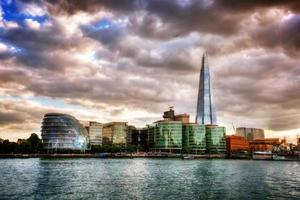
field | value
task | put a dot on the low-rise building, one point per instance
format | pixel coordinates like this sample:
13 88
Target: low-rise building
236 144
265 144
114 133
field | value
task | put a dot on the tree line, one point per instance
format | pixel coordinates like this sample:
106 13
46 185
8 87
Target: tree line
33 144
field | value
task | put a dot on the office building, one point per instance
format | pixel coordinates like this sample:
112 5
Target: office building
114 133
193 138
205 104
138 137
95 133
165 136
250 133
62 132
215 139
236 144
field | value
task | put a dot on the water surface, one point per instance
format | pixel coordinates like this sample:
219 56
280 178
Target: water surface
148 179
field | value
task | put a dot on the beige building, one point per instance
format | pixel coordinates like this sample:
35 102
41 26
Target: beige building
94 131
114 133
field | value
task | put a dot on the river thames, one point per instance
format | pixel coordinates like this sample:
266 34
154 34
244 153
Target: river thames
148 179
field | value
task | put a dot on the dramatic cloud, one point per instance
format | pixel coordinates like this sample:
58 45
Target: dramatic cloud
131 59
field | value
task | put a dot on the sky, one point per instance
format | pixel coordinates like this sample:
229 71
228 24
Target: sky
129 60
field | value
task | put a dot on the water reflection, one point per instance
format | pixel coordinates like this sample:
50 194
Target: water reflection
148 179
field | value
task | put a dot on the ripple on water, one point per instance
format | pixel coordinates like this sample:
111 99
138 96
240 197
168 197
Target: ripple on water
148 179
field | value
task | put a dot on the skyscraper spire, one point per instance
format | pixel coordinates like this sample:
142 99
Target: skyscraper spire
205 105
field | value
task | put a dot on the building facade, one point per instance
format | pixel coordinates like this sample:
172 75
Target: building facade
236 144
138 137
114 133
62 132
215 139
250 133
193 138
205 104
266 144
95 133
165 136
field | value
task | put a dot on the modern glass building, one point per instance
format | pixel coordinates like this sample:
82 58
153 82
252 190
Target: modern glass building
205 104
215 139
193 138
114 133
165 136
62 132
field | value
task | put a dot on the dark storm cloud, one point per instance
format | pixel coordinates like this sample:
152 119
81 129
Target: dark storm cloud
153 60
36 48
283 34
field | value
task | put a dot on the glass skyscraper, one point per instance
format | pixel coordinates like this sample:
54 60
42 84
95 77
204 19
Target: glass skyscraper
206 113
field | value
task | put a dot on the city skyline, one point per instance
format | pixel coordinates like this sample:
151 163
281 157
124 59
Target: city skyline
130 61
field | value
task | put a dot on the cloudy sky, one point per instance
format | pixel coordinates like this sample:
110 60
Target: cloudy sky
130 60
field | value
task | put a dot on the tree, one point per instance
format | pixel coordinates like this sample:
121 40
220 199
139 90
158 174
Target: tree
35 142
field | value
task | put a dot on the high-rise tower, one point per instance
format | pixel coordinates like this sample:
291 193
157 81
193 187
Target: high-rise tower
206 113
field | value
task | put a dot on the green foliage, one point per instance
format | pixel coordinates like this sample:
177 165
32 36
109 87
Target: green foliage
31 145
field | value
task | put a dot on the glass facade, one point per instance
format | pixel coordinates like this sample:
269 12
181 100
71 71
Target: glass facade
193 138
215 140
114 133
165 136
62 132
205 104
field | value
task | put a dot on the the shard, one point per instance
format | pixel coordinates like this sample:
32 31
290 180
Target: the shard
206 113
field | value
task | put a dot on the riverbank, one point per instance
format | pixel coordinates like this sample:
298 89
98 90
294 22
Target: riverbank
137 155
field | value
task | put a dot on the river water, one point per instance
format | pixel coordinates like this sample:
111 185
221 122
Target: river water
148 179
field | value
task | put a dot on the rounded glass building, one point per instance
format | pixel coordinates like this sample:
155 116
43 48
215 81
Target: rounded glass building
62 132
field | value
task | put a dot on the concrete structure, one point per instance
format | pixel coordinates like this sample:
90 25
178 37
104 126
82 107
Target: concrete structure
62 132
215 139
165 136
114 133
250 133
205 105
170 115
193 138
236 144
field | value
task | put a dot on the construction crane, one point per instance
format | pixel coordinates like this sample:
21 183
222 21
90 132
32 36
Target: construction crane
233 128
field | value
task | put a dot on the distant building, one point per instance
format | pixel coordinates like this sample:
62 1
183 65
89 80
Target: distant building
138 137
114 133
165 136
215 139
170 115
95 133
62 132
266 144
193 138
250 133
206 113
236 144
